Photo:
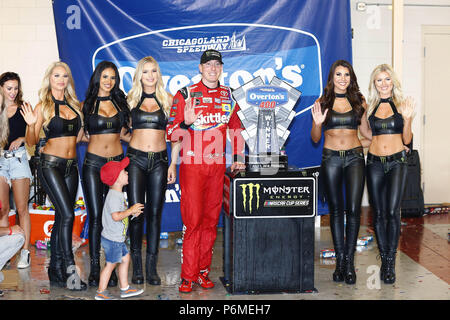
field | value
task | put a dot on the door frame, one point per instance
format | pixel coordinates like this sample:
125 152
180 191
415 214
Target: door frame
426 30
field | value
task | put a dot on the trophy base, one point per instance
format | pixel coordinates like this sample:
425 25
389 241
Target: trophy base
266 162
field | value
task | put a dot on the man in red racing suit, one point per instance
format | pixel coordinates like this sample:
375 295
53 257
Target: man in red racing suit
199 119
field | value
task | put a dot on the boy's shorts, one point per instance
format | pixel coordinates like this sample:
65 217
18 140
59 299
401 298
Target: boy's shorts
114 251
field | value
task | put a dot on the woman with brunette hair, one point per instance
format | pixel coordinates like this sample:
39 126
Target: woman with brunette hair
390 116
148 169
106 118
14 167
59 114
339 111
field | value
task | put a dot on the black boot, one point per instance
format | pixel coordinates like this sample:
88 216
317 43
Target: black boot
390 268
56 273
74 281
94 275
151 261
383 256
338 274
113 279
136 259
349 273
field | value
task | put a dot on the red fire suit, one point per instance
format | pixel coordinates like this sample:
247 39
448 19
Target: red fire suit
202 168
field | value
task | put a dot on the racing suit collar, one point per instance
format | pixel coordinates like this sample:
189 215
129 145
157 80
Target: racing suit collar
218 85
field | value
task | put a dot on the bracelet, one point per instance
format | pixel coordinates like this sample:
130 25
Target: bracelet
10 231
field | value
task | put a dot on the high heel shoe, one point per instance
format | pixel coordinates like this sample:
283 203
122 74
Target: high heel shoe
349 266
94 275
150 269
389 277
338 274
138 277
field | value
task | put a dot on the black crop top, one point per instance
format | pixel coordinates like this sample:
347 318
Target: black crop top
97 124
17 127
60 127
148 120
341 120
389 125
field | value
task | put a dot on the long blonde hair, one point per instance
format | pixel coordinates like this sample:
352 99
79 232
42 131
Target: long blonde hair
135 93
4 122
45 93
374 97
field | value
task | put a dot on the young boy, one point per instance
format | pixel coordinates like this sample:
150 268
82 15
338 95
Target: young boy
115 224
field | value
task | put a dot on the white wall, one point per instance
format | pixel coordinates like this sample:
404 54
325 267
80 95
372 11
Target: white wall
27 42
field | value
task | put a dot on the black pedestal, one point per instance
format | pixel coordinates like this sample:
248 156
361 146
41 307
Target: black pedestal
269 232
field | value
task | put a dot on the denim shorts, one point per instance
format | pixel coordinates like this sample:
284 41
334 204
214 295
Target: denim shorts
114 251
15 167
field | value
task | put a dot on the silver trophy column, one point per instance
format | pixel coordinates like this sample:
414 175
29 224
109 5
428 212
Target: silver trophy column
266 112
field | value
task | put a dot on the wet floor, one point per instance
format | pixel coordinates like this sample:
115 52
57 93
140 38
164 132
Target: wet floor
422 268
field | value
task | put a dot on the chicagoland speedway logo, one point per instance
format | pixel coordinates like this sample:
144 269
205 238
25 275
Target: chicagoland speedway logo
224 43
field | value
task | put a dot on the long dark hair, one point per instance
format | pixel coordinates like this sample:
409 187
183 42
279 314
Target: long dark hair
117 94
13 76
353 94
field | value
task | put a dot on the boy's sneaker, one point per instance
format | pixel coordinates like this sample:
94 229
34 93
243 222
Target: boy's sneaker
130 292
24 259
104 295
185 286
204 281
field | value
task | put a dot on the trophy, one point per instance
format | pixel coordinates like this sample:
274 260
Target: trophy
266 112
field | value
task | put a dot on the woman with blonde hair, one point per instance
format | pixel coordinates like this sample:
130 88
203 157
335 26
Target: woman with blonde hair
148 169
14 166
390 116
58 113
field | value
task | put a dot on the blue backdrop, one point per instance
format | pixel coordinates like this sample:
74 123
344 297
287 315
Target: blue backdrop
296 41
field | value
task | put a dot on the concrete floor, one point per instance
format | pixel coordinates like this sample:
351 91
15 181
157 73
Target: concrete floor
422 268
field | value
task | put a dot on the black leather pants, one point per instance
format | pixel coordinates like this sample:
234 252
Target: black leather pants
147 177
59 177
95 192
342 174
386 177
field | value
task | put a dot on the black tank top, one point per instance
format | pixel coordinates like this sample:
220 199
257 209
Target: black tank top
97 124
341 120
60 127
148 120
17 127
389 125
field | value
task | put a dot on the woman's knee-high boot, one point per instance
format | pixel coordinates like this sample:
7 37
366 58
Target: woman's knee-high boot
338 274
390 268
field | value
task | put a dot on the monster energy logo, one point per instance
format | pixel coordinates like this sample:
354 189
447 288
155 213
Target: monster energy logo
384 125
70 127
250 187
109 124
